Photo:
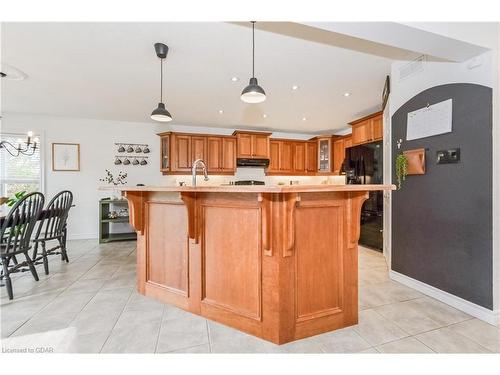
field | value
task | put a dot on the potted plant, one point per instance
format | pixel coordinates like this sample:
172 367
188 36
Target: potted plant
401 169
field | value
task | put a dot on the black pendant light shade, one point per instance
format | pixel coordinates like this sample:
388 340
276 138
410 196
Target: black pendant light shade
160 113
253 93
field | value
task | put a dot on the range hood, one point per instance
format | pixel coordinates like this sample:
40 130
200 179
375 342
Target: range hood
260 163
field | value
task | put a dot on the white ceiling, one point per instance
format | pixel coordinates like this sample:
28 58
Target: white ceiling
110 71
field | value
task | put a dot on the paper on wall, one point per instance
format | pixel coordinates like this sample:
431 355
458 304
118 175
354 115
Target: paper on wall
432 120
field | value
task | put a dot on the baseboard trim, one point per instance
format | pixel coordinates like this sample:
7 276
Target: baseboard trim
82 236
482 313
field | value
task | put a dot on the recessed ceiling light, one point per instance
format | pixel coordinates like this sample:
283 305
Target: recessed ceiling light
304 119
235 79
221 111
346 94
295 87
264 115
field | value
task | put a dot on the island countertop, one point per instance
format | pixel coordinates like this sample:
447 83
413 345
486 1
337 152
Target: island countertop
253 188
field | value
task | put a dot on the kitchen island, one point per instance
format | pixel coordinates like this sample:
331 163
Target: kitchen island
277 262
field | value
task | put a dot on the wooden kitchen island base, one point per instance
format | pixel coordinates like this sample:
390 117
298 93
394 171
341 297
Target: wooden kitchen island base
280 263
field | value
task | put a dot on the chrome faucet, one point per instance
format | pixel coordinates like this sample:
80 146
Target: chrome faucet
195 166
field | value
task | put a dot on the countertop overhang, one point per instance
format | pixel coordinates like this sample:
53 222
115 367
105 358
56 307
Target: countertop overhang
253 189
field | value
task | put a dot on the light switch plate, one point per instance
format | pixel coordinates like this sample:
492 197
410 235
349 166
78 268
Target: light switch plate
449 156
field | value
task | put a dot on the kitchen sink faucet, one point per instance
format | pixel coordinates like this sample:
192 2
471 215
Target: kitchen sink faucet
195 166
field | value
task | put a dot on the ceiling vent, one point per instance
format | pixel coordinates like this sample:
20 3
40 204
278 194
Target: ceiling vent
412 68
9 72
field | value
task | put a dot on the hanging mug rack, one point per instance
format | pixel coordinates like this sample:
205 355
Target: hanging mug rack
133 148
137 160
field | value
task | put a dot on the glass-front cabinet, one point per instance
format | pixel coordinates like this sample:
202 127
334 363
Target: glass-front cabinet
165 152
324 154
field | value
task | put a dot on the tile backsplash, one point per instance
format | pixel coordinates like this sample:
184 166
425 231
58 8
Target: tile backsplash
257 174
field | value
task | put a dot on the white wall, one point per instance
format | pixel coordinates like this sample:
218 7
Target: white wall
97 151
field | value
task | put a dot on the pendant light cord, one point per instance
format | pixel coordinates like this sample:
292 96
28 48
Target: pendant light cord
161 80
253 49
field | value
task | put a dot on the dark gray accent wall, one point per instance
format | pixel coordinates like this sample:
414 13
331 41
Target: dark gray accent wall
442 221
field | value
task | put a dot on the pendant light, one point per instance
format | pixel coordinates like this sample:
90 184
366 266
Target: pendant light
253 93
160 113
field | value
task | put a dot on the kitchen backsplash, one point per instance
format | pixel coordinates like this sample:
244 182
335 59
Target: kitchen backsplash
254 174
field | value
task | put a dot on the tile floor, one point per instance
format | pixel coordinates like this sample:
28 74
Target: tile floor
90 306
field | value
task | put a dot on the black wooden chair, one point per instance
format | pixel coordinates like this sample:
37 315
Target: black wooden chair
53 228
15 236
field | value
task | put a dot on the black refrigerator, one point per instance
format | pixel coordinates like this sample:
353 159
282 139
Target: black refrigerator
364 165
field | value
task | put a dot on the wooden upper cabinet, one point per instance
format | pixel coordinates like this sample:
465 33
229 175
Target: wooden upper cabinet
214 154
244 145
311 157
164 152
286 157
260 145
229 154
274 157
348 142
362 133
299 157
325 154
178 151
338 155
367 129
282 157
181 153
378 128
252 145
198 147
289 157
221 154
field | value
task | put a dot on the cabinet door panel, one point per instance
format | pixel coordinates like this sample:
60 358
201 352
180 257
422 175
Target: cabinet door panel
299 157
165 153
338 155
286 157
325 155
228 154
274 162
260 145
377 128
311 157
244 145
214 154
182 153
199 148
362 133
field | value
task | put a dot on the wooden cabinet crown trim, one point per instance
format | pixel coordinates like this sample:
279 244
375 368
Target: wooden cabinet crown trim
236 132
376 114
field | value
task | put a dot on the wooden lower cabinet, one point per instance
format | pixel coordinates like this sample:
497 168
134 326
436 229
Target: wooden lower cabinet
278 266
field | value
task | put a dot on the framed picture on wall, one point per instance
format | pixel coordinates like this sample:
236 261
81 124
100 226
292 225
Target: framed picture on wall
65 157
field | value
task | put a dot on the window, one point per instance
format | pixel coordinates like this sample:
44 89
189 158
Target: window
20 173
